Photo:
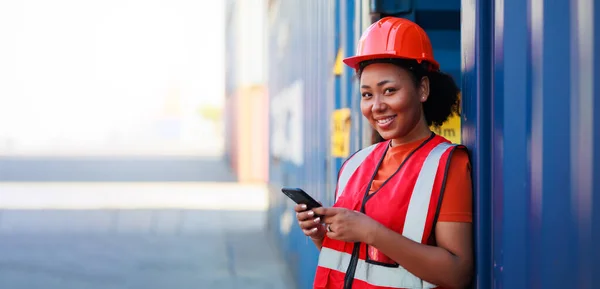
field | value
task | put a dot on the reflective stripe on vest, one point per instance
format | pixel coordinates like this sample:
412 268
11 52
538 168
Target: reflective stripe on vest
418 207
377 275
350 167
414 227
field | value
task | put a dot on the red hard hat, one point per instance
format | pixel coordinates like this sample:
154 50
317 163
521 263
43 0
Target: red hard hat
393 37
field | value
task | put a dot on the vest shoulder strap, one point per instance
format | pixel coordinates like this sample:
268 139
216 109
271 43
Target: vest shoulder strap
350 166
418 207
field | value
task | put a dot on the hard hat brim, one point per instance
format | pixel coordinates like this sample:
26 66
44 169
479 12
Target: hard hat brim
354 61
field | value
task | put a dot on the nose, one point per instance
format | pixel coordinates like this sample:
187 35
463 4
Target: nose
378 104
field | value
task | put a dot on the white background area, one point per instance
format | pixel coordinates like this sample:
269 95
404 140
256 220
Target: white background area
110 77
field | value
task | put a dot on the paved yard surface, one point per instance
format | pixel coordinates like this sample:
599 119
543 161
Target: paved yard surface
136 235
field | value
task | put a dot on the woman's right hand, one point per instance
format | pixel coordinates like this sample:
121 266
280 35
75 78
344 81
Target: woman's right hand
311 226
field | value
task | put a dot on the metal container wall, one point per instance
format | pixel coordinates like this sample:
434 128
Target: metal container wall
532 121
347 18
300 83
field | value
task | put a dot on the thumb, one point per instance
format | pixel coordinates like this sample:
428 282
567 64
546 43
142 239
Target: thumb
326 211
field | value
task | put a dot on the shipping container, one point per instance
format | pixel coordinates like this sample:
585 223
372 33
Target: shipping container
300 84
527 74
530 102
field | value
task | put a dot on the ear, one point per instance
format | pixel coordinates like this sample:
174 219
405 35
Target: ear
424 89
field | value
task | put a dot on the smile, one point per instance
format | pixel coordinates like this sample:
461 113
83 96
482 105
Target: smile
386 120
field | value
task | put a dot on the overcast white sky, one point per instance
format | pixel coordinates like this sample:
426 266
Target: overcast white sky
98 74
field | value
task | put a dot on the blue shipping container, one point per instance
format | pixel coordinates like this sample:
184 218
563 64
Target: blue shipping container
300 84
530 104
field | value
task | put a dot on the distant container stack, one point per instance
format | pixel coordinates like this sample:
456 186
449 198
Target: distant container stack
246 105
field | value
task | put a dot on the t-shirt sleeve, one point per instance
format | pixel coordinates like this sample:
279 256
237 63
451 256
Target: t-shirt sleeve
457 201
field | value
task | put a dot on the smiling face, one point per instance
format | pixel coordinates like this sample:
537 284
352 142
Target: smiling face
392 103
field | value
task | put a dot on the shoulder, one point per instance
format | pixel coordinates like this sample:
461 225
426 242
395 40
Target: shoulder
351 164
460 158
361 154
457 194
450 155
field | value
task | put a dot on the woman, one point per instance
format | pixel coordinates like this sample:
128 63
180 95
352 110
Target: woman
402 215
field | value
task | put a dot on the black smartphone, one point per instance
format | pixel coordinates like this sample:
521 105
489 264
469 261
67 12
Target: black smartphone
301 197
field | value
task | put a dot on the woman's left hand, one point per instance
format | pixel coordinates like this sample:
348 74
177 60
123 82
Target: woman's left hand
348 225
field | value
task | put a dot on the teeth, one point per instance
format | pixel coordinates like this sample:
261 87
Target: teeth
386 120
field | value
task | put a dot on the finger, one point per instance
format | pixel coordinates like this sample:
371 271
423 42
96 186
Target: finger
328 220
329 228
337 218
303 216
311 232
333 235
310 223
307 225
322 211
300 208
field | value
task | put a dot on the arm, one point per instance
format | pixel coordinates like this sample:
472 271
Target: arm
448 264
452 258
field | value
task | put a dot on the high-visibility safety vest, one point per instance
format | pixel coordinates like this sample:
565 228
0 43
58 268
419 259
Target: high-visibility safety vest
408 203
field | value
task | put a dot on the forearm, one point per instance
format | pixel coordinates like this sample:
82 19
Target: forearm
434 264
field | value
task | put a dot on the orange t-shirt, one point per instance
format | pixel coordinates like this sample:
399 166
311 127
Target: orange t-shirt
457 199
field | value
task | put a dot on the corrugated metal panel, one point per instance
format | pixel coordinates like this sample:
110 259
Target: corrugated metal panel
530 121
301 82
334 163
476 125
349 97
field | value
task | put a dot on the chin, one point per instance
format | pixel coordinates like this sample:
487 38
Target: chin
387 135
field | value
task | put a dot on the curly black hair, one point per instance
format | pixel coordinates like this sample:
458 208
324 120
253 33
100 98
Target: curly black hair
443 101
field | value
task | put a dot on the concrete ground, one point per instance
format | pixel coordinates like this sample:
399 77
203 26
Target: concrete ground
115 169
136 235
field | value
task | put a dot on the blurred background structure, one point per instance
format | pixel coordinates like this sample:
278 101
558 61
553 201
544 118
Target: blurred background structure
112 141
112 78
143 144
247 101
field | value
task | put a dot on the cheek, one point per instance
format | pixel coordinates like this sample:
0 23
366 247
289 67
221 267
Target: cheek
405 102
365 108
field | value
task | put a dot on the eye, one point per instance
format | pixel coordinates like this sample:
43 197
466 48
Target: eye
389 91
366 94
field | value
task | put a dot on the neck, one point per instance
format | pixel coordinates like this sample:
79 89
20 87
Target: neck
419 131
